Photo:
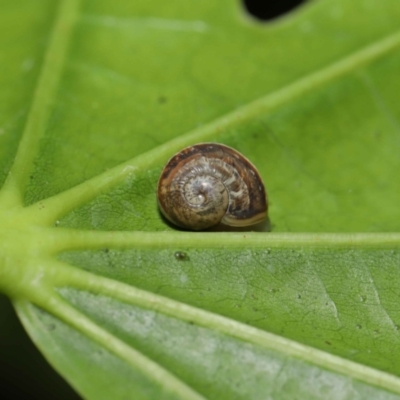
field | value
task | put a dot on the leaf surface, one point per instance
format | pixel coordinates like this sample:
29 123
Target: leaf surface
96 96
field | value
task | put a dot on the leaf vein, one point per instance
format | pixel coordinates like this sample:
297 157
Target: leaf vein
64 202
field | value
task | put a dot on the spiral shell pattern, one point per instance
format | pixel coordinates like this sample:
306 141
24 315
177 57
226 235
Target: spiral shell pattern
209 183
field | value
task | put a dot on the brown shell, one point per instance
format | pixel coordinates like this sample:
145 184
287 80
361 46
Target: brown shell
209 183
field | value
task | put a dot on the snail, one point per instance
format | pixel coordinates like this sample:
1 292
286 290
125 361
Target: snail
210 183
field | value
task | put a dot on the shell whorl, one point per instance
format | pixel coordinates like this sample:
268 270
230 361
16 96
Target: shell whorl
209 183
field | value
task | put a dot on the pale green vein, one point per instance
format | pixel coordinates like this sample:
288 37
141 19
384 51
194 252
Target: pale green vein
70 239
81 323
42 100
86 281
62 203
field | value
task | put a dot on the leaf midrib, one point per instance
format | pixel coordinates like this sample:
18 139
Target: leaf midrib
71 239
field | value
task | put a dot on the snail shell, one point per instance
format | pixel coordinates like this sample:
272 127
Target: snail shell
209 183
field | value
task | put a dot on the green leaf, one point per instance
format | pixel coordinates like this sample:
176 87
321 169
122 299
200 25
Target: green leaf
96 96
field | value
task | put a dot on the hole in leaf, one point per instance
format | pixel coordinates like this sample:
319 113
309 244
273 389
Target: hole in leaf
270 9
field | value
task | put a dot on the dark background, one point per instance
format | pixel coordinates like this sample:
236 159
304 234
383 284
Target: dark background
24 373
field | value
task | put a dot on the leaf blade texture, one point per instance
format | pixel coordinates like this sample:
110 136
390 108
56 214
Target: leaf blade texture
94 103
